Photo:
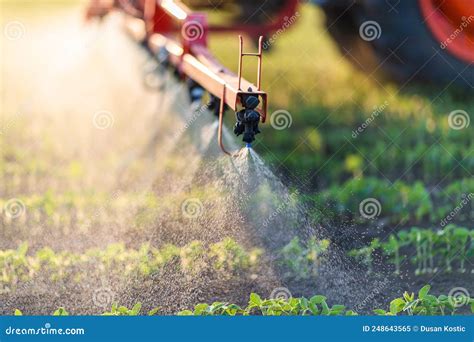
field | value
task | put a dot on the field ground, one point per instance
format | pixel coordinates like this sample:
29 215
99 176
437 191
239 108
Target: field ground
97 172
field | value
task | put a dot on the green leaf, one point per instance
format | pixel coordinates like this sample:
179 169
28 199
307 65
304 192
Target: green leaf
185 313
23 248
61 312
325 310
200 308
153 311
410 305
337 310
338 307
424 291
136 309
317 299
304 303
408 297
443 298
430 299
314 308
255 299
123 309
397 305
380 312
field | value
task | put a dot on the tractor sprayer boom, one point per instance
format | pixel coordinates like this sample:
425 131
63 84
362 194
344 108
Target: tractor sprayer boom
177 38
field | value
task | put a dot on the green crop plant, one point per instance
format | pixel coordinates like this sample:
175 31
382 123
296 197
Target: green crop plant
450 245
229 256
402 202
460 239
117 310
61 312
123 310
421 240
392 249
426 304
422 158
408 304
316 306
15 267
192 256
449 252
58 312
421 304
365 254
302 261
430 250
18 266
416 200
214 309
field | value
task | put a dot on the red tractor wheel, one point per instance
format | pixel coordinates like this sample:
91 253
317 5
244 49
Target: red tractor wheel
424 40
452 23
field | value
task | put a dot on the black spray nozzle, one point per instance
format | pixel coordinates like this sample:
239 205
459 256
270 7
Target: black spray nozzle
248 119
251 102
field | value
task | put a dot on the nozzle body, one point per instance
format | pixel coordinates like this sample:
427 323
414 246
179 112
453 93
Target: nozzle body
248 120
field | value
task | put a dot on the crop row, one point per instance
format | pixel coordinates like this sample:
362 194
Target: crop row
59 214
399 201
414 155
226 256
449 249
296 260
55 213
26 173
83 207
408 304
50 202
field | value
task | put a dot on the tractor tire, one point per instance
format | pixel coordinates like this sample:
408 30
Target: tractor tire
404 50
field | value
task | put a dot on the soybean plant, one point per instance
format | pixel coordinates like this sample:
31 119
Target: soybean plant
461 238
392 248
365 254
